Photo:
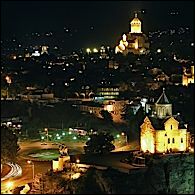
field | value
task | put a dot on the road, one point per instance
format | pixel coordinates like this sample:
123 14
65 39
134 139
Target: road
110 160
39 167
27 173
15 171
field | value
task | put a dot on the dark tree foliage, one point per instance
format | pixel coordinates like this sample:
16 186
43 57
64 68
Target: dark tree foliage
106 115
127 113
88 183
100 143
9 146
133 121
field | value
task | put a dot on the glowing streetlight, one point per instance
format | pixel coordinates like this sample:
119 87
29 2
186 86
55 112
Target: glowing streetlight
33 167
88 50
122 133
77 161
117 135
9 81
46 130
159 50
95 50
10 185
74 137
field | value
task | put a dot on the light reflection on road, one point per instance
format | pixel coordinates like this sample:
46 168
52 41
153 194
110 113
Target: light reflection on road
15 171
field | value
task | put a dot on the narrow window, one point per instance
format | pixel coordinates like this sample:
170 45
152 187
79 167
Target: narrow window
181 140
168 140
171 126
173 140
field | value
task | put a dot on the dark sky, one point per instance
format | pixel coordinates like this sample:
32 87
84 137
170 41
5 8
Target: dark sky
109 18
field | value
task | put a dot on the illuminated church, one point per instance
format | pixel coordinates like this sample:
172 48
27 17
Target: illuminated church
163 132
135 41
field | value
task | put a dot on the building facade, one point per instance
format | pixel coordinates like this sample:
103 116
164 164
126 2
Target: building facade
163 132
135 41
188 78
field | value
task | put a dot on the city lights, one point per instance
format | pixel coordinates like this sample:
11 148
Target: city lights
77 161
33 167
88 50
10 184
98 91
8 79
95 50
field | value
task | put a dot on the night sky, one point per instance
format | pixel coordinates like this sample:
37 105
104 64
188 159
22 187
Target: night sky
100 21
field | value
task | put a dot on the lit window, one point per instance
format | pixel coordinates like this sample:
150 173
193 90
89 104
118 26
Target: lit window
168 140
173 141
181 140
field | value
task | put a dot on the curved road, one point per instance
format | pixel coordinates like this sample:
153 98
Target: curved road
112 160
23 173
15 171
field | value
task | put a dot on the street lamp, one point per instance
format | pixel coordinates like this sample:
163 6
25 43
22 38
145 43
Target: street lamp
77 161
33 167
117 135
9 81
9 185
46 130
123 134
88 50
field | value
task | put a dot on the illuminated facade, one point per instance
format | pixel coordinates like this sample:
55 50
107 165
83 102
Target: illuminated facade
162 132
114 107
44 49
109 92
135 41
188 78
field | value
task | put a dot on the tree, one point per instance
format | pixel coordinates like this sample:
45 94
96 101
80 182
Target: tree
133 121
127 113
106 115
99 143
9 146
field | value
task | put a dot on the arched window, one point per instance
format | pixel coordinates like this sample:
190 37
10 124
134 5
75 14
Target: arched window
182 140
168 140
173 140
